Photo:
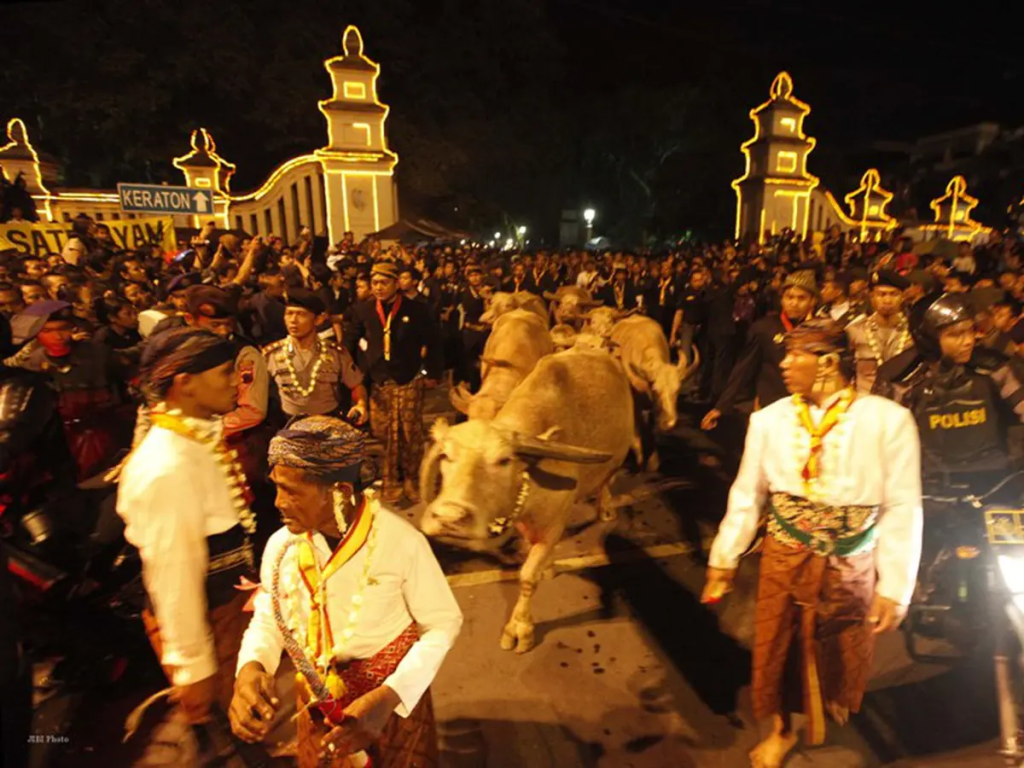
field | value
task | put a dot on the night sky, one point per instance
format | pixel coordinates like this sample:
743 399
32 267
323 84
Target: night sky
507 110
898 74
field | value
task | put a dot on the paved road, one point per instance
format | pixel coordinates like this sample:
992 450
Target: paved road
629 669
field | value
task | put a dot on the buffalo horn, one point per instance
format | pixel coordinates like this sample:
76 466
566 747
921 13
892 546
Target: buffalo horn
545 449
686 371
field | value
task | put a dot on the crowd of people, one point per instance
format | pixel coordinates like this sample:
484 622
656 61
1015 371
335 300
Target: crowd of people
240 374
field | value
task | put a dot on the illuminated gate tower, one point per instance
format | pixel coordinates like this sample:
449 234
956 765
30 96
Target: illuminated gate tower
358 166
775 191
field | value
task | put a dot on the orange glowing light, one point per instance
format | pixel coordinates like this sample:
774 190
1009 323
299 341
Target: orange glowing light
274 177
960 205
780 98
786 162
867 203
355 90
17 135
204 152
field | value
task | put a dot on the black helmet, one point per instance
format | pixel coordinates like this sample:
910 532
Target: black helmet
931 314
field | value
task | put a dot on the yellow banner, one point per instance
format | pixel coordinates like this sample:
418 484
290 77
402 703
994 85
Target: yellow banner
41 239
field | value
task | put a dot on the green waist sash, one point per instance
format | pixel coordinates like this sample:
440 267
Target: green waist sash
841 531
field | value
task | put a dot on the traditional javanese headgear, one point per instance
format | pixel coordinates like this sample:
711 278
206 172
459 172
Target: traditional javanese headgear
325 448
385 269
180 350
889 278
804 280
820 336
303 299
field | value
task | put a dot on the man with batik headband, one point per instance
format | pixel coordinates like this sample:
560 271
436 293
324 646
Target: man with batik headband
400 339
355 597
310 371
840 474
885 333
185 504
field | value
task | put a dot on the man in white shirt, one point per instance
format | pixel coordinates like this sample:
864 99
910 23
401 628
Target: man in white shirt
841 474
355 596
184 501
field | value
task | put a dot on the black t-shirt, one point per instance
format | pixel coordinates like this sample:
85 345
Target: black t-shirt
111 338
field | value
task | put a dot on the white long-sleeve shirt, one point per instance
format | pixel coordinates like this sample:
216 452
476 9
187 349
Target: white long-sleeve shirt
872 458
172 495
406 584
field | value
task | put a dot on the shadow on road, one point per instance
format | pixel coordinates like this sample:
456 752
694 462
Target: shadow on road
947 712
714 664
464 744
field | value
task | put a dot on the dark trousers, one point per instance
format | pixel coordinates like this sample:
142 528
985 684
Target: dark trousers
15 714
472 348
718 354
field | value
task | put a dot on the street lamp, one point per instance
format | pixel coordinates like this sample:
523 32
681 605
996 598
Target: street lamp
588 216
497 235
521 231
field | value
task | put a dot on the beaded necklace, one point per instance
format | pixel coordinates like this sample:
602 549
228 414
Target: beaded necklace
227 461
319 635
295 386
902 342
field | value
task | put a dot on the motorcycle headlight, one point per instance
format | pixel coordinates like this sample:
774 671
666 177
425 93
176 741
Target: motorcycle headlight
1011 568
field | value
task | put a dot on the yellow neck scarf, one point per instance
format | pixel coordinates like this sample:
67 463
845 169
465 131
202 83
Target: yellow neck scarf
833 414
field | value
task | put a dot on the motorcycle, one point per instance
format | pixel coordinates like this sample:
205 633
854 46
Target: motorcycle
76 580
971 595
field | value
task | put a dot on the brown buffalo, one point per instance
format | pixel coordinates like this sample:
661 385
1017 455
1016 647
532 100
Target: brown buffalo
643 349
559 439
569 304
503 302
518 340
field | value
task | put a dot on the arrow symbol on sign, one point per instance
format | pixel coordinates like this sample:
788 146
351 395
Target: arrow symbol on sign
200 198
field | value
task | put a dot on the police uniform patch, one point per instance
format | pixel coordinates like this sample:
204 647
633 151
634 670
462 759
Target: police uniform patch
246 371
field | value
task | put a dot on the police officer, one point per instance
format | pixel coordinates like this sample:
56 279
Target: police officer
309 370
962 396
883 334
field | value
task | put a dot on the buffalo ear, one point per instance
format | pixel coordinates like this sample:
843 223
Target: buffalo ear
550 434
440 429
460 398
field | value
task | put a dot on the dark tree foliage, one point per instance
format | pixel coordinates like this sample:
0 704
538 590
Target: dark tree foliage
486 121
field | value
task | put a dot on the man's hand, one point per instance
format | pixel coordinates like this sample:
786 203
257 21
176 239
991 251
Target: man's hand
357 414
252 706
364 722
717 584
196 699
886 615
710 420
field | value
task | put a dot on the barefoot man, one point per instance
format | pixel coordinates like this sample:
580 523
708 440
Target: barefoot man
840 475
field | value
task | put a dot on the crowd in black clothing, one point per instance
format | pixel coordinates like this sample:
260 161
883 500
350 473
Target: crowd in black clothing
707 295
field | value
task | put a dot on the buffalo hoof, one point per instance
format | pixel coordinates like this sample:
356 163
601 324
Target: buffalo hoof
517 636
653 462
